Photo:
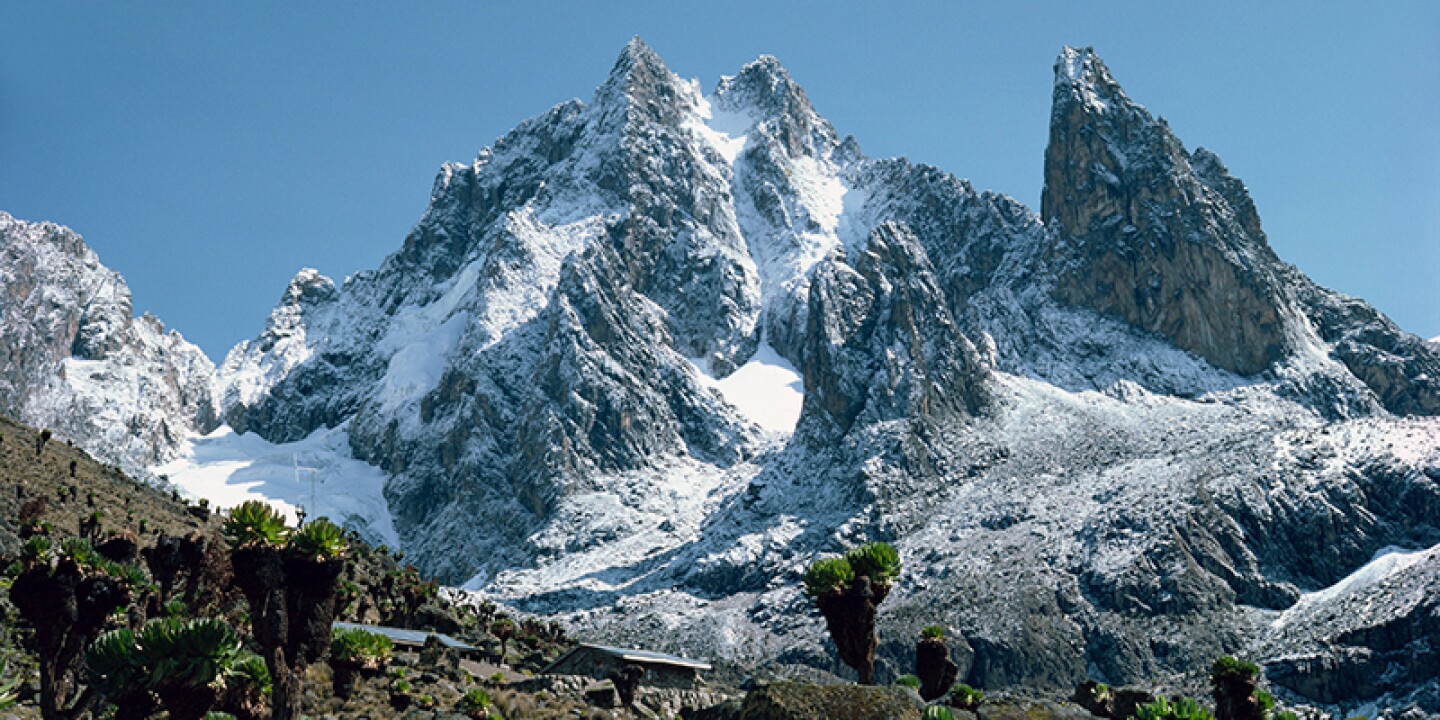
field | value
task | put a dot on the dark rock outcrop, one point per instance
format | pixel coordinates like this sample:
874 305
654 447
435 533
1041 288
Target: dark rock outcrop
881 345
1143 235
794 701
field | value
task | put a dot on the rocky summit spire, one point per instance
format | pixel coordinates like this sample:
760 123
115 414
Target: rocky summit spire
1148 238
639 81
1081 76
765 91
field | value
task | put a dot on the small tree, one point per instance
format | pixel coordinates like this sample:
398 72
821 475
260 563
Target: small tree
937 672
847 591
354 650
503 629
1233 685
289 579
67 593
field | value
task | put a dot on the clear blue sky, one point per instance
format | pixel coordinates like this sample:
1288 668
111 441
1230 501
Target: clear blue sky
209 150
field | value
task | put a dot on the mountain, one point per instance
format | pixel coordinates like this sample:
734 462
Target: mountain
646 357
75 359
1085 428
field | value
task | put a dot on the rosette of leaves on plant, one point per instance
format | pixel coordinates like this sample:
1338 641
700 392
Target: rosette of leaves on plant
186 667
965 697
1183 708
475 704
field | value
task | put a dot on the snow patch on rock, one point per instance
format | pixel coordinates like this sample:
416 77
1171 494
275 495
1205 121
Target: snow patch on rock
767 390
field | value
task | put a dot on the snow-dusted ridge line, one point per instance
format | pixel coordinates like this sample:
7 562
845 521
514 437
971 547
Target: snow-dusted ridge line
1387 562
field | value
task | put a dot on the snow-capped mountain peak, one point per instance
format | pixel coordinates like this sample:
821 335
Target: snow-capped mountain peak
643 358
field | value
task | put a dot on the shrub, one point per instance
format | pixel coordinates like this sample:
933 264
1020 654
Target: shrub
877 560
937 712
965 697
9 689
1181 709
828 574
475 702
909 681
933 632
254 522
1265 700
37 547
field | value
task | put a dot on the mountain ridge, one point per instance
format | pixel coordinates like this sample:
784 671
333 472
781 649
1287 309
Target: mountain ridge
1078 423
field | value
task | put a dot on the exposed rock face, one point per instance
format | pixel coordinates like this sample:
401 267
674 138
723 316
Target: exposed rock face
1371 636
1401 369
74 358
881 345
1170 242
1163 239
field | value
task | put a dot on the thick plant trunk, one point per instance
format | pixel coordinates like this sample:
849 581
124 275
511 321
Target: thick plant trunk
310 606
1235 699
260 573
850 617
937 672
343 677
189 702
285 696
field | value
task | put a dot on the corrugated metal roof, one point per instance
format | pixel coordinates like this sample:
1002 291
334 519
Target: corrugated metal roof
640 656
401 635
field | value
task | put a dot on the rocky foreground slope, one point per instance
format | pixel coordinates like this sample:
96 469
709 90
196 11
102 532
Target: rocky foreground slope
1112 439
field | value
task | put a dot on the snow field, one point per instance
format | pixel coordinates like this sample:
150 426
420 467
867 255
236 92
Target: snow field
229 468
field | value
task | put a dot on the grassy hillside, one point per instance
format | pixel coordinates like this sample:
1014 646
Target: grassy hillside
27 476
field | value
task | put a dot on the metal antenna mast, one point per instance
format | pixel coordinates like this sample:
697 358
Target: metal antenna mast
314 480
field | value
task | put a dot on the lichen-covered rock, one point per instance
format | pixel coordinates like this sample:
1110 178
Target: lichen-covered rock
1031 710
795 701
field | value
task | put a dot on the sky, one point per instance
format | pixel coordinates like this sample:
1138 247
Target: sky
209 150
